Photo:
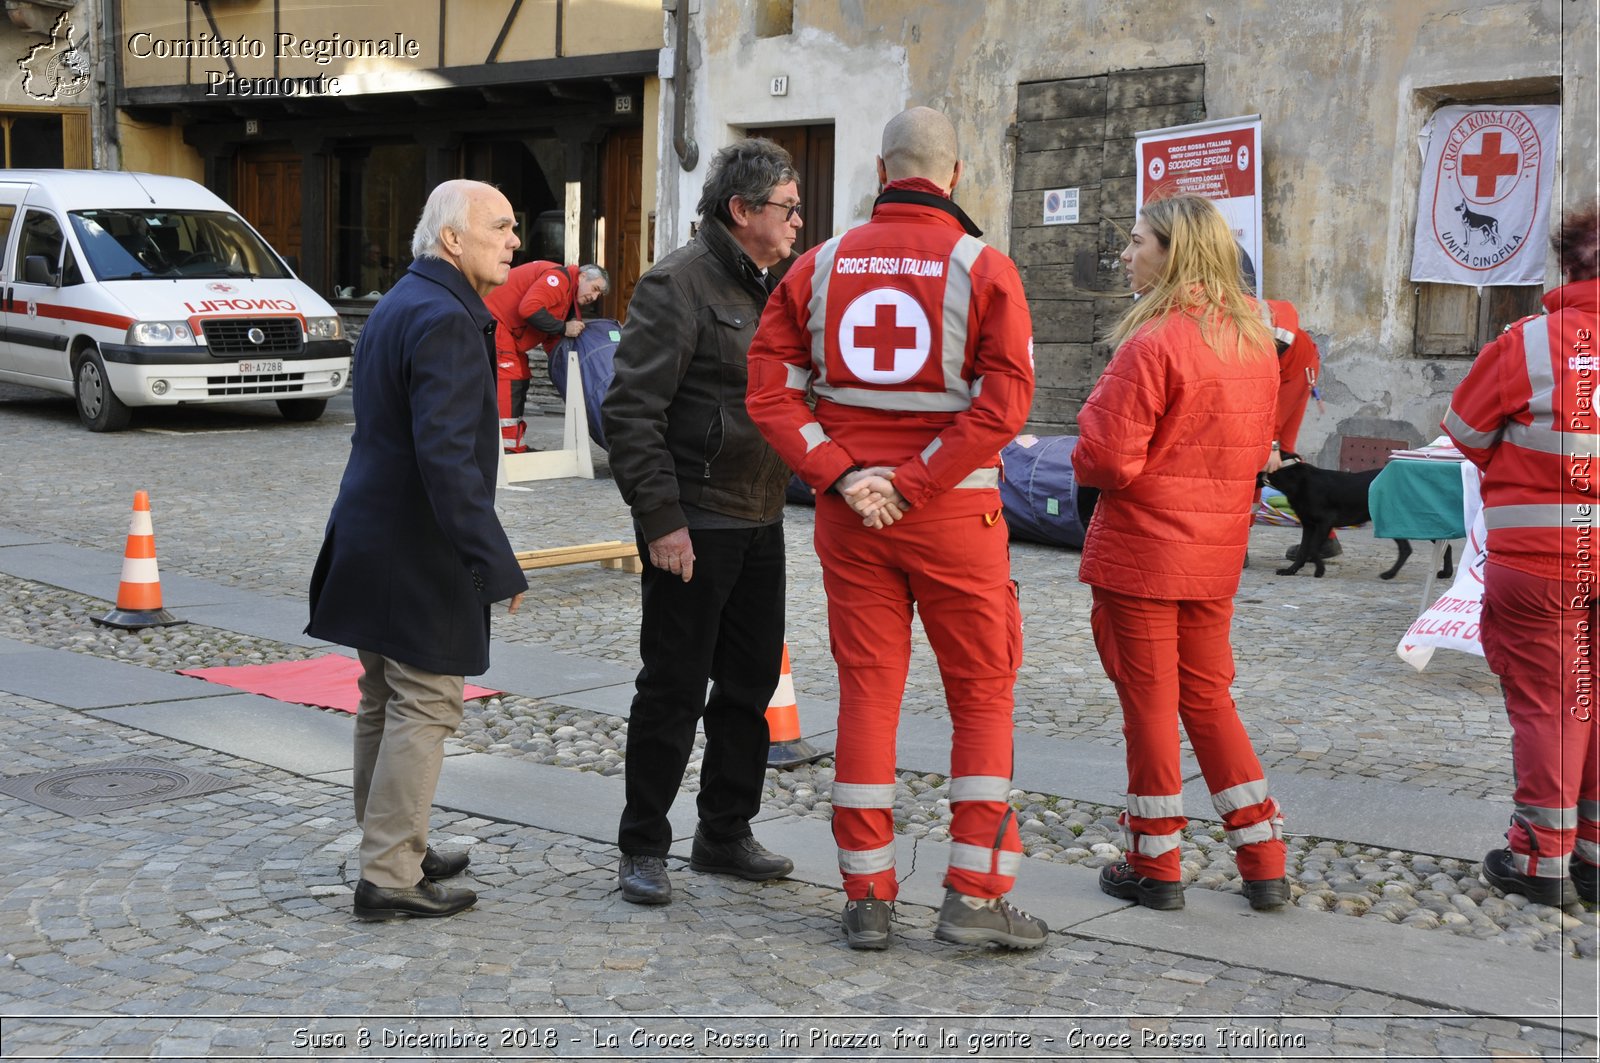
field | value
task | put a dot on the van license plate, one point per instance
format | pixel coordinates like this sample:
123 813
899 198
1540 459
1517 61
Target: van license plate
261 367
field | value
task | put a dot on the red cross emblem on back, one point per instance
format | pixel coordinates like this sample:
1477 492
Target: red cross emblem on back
884 337
1488 166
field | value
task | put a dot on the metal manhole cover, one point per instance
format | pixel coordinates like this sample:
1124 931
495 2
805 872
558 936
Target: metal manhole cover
111 786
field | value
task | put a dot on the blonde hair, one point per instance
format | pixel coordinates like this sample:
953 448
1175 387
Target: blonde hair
1200 276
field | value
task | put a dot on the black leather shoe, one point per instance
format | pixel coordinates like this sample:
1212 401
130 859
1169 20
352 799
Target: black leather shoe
644 879
744 857
425 900
443 865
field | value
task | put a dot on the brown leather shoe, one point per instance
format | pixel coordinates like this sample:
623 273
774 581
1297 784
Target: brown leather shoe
425 900
436 866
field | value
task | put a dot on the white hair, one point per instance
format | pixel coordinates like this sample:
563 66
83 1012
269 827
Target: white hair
448 207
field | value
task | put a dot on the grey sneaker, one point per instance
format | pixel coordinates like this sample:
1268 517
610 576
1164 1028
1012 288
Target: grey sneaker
980 921
866 922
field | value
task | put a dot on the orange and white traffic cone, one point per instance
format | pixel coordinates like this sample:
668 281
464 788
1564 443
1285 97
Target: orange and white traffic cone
787 749
139 594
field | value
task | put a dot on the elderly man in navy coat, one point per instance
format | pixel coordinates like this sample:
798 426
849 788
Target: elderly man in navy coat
414 554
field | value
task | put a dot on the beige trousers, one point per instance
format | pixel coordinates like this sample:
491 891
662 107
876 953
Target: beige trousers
404 717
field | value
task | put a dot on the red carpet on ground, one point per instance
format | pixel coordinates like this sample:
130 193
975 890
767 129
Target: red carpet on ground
328 681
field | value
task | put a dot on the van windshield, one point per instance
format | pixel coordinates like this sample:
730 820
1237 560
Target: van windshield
166 244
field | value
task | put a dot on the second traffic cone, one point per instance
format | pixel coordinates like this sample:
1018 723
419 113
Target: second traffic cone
139 594
787 749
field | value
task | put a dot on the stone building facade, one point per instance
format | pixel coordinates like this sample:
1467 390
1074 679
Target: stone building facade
1048 95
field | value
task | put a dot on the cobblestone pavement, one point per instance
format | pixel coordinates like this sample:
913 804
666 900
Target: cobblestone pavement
219 926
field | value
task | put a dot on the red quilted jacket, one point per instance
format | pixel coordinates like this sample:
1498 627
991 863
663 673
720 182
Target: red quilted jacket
1173 435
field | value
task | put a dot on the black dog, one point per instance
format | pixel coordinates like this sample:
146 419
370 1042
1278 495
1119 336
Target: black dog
1324 499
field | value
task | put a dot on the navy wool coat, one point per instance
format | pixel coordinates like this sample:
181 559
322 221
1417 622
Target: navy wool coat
414 554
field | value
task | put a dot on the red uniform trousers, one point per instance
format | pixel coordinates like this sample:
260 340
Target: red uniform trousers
1542 650
1171 660
956 571
511 383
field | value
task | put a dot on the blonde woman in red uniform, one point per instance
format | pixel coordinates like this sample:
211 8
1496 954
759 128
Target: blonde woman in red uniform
1173 435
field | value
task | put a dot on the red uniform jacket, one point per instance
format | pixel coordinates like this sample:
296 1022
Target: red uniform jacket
1173 434
1525 415
916 340
531 308
1298 367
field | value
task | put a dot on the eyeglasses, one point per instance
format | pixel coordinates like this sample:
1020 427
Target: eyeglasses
789 209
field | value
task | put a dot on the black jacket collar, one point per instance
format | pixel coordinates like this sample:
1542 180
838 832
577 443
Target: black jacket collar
928 199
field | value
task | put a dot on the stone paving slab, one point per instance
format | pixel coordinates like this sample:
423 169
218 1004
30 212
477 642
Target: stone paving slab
537 672
79 681
13 646
1385 815
584 804
613 700
296 738
14 537
279 619
97 573
1445 970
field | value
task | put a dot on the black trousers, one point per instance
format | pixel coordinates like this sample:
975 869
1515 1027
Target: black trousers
724 626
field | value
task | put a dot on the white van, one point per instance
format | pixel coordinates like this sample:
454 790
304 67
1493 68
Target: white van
133 289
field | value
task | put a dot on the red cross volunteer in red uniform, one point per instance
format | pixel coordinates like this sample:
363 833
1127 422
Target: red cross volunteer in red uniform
538 306
1173 435
1525 416
915 338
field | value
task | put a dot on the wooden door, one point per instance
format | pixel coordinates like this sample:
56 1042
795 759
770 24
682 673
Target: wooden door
811 147
269 197
622 182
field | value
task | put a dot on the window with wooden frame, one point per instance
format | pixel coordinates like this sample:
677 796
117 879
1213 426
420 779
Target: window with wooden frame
1454 320
45 140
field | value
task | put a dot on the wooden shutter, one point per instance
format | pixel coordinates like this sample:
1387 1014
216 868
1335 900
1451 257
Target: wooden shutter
77 152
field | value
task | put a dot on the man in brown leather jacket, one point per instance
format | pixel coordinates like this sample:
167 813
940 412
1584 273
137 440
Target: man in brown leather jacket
706 493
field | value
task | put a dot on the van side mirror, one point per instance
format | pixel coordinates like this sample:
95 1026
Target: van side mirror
36 270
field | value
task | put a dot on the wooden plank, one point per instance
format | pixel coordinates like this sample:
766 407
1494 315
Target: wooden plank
613 551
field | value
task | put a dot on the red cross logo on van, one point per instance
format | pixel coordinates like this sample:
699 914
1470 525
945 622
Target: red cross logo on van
884 337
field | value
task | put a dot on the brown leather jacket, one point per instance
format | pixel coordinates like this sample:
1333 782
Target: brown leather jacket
674 417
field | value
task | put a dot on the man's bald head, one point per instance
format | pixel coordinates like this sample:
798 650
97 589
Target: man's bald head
920 142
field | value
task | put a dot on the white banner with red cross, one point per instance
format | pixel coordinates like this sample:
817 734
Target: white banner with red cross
1485 200
1220 160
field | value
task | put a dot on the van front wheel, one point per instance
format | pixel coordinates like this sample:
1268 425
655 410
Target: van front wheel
302 409
98 406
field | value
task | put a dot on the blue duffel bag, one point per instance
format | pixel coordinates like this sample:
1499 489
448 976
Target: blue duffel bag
1043 501
597 348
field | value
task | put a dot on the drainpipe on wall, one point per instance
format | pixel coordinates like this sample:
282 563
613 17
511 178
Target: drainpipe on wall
682 142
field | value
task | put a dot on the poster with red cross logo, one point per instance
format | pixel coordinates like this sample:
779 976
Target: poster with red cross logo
1485 200
1220 160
